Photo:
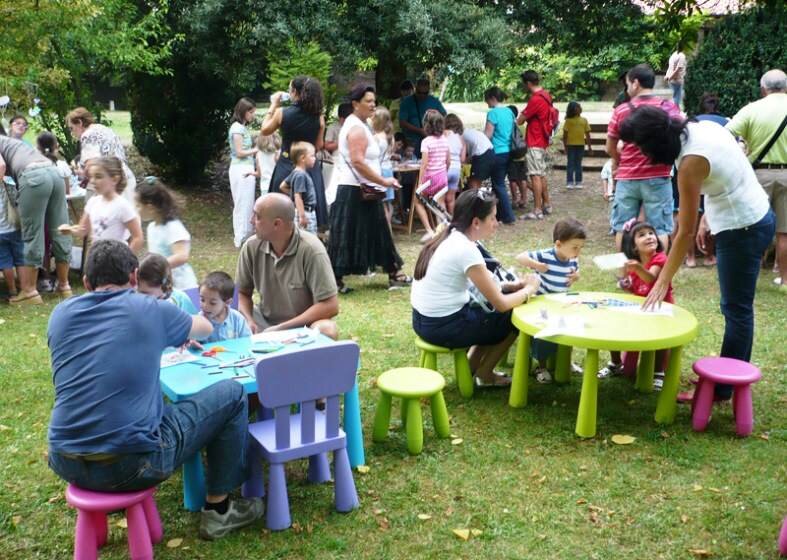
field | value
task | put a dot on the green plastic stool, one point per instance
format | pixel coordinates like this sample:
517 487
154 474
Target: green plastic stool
411 384
464 377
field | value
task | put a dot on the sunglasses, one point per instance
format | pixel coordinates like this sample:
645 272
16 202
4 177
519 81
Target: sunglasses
485 194
150 179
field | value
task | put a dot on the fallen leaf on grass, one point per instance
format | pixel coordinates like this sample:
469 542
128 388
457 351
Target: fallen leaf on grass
363 469
4 428
623 439
379 511
714 490
463 534
424 516
696 488
122 523
296 528
593 517
382 523
684 518
476 532
456 441
53 499
700 552
581 501
174 543
16 520
595 508
764 436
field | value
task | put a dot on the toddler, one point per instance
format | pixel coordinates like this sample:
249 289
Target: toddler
453 134
383 133
11 246
108 215
215 296
558 269
646 256
167 235
300 186
576 133
517 172
265 159
154 278
47 144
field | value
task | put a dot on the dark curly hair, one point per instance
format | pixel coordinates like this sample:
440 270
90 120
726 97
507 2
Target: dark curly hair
630 247
655 133
310 96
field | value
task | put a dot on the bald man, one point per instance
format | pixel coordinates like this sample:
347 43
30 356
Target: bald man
290 270
758 123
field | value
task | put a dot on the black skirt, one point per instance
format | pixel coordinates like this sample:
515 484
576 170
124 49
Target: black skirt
283 169
360 238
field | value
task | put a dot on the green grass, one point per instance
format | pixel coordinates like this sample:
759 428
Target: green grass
520 476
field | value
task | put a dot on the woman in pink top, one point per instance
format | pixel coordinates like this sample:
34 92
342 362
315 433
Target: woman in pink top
435 161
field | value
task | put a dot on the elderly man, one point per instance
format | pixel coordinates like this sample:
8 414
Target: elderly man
290 270
412 110
762 124
110 429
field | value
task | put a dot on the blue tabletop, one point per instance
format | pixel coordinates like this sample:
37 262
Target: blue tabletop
183 380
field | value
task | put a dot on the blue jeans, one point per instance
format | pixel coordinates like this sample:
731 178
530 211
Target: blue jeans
214 419
574 155
677 93
739 253
499 171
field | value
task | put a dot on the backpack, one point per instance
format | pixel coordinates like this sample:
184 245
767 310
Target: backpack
553 116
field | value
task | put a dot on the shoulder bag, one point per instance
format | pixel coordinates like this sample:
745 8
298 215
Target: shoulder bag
369 193
770 143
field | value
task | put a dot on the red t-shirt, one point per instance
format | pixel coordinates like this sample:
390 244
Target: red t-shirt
639 287
536 114
633 163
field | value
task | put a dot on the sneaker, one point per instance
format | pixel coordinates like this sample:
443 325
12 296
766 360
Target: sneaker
547 209
658 380
530 216
777 281
543 376
45 285
425 238
576 369
579 186
610 370
241 512
570 186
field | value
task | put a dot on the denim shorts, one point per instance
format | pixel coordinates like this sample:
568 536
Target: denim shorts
453 178
655 195
470 326
12 250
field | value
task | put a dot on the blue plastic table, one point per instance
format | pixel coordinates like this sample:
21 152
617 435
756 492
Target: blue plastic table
180 381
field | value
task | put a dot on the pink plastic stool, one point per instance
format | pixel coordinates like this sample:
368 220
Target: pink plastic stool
144 523
783 538
728 371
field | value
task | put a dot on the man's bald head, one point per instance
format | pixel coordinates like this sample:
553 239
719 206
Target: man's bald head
774 81
276 205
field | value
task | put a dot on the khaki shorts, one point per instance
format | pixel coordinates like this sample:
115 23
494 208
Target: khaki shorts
774 181
536 161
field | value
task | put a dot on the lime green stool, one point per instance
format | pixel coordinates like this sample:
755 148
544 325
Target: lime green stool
411 384
464 377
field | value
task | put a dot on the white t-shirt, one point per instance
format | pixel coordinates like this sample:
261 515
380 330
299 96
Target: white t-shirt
344 172
455 145
161 237
443 290
477 142
734 199
108 217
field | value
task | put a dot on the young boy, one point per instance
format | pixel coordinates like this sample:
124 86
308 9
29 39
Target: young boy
300 187
11 246
558 269
215 296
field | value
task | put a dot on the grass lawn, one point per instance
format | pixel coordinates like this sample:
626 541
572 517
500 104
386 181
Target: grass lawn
520 476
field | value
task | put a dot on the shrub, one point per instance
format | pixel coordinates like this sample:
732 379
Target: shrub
735 54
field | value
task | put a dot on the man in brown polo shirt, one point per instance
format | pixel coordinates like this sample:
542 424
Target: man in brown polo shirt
290 270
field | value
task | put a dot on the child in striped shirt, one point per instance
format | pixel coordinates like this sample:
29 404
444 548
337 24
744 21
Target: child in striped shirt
558 269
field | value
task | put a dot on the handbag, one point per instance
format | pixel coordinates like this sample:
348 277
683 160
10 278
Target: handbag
518 147
11 213
369 193
499 273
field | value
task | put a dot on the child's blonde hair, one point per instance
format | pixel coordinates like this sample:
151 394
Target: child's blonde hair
381 122
434 123
299 150
269 143
113 167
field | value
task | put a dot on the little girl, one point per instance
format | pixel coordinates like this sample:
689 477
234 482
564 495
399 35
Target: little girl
453 134
47 144
154 278
383 133
167 235
108 215
646 256
268 152
435 162
576 133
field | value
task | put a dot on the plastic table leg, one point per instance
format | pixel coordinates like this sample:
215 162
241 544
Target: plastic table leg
353 427
563 364
517 398
647 363
588 399
667 405
193 483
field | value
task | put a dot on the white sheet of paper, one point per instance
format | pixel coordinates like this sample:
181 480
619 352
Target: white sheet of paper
664 310
175 358
610 261
561 324
281 336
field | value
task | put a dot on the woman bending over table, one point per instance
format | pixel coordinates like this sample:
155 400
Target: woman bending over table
442 311
737 213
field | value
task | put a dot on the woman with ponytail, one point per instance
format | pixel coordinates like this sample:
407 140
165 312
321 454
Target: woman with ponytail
301 121
737 213
442 309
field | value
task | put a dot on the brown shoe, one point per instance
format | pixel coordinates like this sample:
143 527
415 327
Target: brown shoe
29 298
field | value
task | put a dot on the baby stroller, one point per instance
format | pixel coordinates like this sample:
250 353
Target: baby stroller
431 202
500 273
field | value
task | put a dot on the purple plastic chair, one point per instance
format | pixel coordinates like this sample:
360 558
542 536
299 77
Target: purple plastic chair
193 294
301 378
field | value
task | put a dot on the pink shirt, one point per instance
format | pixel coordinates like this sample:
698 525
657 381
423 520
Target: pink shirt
633 163
438 150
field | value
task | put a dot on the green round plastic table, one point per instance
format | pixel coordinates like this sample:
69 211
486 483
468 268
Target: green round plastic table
605 327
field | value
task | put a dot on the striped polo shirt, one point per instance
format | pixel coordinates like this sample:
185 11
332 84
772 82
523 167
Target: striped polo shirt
555 279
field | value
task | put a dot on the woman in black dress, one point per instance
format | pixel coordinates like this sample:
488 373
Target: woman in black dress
302 121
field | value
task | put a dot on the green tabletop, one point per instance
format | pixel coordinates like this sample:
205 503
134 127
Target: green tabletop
602 321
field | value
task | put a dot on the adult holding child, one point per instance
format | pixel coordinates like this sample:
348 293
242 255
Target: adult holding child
97 140
242 175
301 121
736 213
442 309
360 237
41 199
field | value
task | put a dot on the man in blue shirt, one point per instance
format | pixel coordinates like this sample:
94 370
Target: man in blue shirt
110 430
412 111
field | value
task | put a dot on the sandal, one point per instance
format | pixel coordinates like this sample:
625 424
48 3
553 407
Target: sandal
547 209
399 280
612 369
658 380
530 216
499 379
543 376
30 298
